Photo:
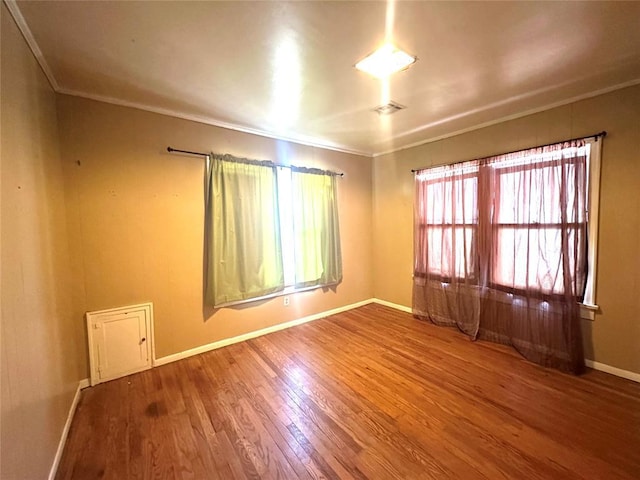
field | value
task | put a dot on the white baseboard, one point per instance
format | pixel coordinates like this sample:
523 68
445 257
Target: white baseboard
397 306
258 333
84 383
618 372
240 338
603 367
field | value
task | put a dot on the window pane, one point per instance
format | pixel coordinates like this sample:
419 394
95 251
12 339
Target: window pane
531 259
453 200
450 251
285 201
532 193
521 198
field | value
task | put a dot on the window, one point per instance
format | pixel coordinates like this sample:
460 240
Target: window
448 221
269 230
505 248
498 222
310 230
531 221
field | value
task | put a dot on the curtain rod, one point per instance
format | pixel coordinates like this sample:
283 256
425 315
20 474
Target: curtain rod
595 135
170 150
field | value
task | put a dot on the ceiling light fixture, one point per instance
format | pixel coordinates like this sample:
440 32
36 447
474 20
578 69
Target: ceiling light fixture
385 61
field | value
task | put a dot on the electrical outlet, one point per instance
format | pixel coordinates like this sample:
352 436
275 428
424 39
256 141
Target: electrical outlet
286 301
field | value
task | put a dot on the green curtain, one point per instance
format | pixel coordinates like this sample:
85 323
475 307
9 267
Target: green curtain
244 258
318 259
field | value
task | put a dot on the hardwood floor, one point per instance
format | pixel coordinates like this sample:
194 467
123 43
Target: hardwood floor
369 393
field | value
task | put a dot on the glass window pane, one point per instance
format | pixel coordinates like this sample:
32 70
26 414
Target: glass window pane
451 252
531 259
286 224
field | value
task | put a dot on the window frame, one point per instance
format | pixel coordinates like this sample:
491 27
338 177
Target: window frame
588 306
472 172
496 226
285 199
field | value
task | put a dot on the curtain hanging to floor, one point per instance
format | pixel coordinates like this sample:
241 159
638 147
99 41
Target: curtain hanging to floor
500 250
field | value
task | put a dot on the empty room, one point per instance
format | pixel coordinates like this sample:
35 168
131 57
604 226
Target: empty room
320 240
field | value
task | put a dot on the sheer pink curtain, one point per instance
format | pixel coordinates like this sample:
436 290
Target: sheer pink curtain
500 250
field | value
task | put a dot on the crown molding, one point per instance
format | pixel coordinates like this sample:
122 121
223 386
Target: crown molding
37 53
514 116
298 139
31 41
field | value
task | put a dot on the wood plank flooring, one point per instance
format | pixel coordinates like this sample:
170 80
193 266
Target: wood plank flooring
367 394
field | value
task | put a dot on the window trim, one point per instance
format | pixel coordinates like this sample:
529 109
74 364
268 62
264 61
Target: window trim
589 306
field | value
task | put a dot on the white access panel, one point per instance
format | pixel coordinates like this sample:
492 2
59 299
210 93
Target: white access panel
120 341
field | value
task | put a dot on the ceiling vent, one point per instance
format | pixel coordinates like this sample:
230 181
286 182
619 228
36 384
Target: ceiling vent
389 108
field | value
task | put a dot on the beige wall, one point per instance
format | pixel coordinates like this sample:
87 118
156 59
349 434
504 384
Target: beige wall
42 354
614 337
131 232
136 220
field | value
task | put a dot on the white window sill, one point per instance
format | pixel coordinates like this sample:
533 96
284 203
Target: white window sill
287 291
588 311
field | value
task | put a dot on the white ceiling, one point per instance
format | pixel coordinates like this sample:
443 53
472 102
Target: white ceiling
285 69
